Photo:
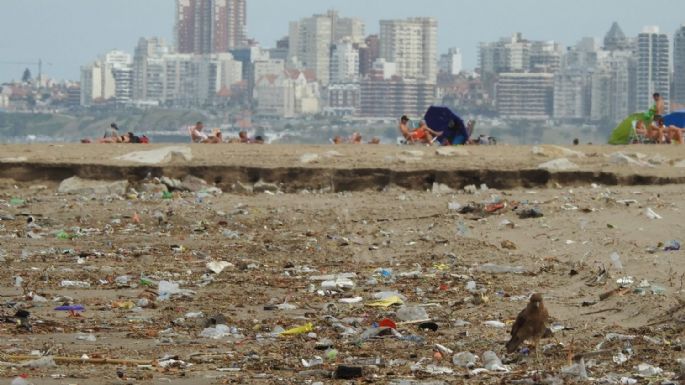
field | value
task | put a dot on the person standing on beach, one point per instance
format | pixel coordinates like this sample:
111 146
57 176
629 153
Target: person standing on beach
657 110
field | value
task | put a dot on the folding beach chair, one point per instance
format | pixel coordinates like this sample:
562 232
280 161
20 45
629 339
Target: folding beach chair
634 137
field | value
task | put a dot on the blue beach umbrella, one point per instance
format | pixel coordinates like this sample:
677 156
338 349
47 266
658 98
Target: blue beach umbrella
676 118
441 118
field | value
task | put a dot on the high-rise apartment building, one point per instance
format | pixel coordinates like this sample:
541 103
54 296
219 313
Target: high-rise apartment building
210 26
413 45
616 40
369 52
612 86
311 39
310 45
653 67
344 62
148 69
395 97
525 96
108 78
350 28
230 21
571 94
451 62
679 67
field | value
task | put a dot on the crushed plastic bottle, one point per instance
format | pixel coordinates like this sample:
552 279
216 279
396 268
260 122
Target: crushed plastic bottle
76 284
616 261
21 380
465 360
462 230
412 313
493 363
672 246
167 289
576 370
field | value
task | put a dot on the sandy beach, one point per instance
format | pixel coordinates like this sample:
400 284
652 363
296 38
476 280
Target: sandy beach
468 258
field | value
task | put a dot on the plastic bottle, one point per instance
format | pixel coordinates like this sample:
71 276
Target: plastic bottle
616 261
462 230
21 380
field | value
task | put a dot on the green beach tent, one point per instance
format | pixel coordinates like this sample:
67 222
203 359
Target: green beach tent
622 132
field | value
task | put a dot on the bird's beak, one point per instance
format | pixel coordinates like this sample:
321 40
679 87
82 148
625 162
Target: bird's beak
537 304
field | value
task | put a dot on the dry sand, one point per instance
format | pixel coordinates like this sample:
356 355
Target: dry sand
276 242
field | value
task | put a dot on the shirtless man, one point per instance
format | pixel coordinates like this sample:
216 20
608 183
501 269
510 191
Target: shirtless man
658 106
197 135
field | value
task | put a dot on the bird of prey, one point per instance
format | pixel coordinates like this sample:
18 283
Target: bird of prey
22 319
529 325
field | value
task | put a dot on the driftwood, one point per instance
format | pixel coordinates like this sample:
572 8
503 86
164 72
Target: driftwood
79 360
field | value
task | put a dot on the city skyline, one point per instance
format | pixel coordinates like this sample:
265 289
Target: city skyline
268 21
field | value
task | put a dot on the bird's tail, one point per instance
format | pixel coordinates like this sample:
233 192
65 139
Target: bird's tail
513 343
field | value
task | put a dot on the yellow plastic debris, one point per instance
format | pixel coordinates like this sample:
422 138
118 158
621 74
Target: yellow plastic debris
306 328
441 267
387 302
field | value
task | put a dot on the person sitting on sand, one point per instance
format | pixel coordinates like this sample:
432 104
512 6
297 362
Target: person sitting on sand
423 134
641 130
196 134
111 135
355 138
216 136
243 138
670 134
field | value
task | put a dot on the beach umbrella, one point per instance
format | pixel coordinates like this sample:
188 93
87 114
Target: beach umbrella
442 118
676 118
622 133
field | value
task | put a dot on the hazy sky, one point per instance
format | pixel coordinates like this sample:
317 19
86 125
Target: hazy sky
69 33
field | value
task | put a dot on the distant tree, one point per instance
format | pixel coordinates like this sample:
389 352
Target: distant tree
26 77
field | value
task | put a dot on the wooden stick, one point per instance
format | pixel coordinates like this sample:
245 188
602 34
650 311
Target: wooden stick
65 360
602 311
418 321
592 354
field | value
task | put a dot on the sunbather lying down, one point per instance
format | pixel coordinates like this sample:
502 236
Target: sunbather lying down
423 134
356 138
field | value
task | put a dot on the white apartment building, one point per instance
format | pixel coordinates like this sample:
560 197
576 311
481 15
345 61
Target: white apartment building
344 62
412 44
571 94
268 67
516 54
451 62
525 96
382 68
310 45
653 67
97 83
121 65
679 68
288 94
612 86
351 28
148 68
